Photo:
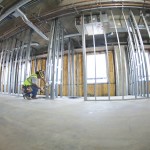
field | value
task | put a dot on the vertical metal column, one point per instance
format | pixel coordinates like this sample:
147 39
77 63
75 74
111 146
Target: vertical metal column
24 54
4 69
57 57
49 58
27 59
130 82
7 65
132 50
84 59
122 75
130 72
1 46
20 63
133 70
72 72
140 66
53 72
143 53
62 58
12 70
69 72
107 65
35 64
148 31
139 63
94 55
11 65
15 66
3 66
107 58
77 74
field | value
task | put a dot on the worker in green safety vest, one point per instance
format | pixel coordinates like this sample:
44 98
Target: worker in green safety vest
30 87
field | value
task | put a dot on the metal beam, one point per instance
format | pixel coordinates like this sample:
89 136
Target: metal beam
30 24
120 55
12 9
72 35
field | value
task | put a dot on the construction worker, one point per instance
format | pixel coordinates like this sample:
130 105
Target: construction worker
30 86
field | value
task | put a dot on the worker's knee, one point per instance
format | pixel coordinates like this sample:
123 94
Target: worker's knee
26 89
34 90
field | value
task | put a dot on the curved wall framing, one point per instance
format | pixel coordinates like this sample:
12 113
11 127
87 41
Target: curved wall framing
126 65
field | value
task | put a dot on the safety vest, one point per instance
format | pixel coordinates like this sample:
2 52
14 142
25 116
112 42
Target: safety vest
28 81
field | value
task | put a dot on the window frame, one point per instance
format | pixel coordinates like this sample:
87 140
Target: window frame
103 78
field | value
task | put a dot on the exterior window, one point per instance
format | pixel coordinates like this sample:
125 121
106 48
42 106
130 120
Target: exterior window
96 68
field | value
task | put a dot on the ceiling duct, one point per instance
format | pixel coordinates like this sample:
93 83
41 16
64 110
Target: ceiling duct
12 9
15 14
30 24
92 24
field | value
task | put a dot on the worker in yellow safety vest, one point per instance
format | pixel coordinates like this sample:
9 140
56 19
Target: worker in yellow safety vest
30 87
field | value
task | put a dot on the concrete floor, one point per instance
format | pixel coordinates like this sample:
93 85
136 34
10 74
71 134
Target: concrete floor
72 124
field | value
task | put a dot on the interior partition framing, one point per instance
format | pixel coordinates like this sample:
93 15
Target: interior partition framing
15 55
66 67
132 55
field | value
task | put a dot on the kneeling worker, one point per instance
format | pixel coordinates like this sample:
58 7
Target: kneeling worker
30 84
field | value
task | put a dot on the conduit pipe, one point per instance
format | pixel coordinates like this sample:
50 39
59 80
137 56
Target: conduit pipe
30 24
